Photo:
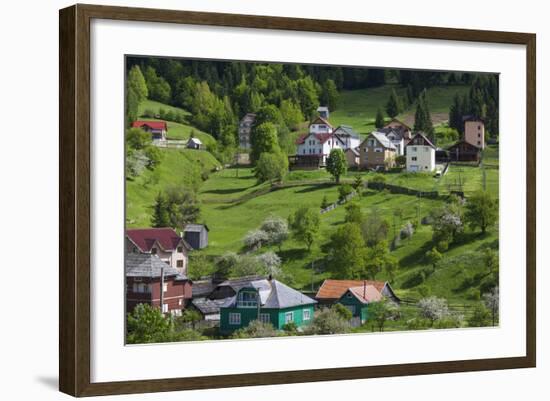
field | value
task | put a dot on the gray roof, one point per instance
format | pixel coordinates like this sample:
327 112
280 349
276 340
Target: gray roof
383 139
203 288
348 131
209 306
195 227
148 265
282 296
398 132
355 151
275 295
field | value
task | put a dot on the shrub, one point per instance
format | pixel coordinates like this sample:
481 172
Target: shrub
324 203
379 179
442 246
256 329
254 239
328 321
290 328
433 309
271 263
407 231
480 317
276 229
343 191
342 311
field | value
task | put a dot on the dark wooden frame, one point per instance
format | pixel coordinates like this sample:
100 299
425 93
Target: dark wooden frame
74 199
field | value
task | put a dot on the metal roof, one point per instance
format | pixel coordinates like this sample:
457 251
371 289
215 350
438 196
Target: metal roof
148 265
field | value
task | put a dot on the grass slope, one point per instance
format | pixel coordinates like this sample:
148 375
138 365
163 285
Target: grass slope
358 107
175 130
178 167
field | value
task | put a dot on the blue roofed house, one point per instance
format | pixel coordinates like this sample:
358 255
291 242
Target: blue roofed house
269 301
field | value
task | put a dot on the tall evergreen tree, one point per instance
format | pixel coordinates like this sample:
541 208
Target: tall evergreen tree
393 107
422 117
160 217
379 122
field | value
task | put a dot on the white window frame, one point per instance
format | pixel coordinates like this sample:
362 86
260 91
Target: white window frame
234 318
287 315
164 287
265 318
164 308
306 315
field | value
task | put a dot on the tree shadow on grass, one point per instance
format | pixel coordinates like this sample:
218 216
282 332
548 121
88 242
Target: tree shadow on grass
226 191
293 254
314 187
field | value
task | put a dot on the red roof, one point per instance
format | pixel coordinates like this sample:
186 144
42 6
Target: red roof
366 293
152 124
145 238
334 289
320 137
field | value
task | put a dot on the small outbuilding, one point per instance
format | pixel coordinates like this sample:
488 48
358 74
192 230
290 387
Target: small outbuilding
194 143
196 235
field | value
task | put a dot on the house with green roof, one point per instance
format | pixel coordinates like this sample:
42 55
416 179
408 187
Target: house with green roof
269 301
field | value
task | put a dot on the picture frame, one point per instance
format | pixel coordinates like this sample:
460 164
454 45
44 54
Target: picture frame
76 204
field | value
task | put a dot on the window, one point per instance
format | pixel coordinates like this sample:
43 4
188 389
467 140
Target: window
307 314
164 287
234 318
304 152
154 251
180 249
413 148
141 288
479 135
479 127
349 295
478 143
180 302
289 317
135 250
426 149
179 263
265 318
164 308
247 299
378 150
413 158
351 308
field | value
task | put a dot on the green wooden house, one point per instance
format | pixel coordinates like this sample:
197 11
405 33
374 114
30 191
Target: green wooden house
357 300
269 301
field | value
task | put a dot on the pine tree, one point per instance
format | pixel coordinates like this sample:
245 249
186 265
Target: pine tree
161 217
422 118
379 123
393 107
455 113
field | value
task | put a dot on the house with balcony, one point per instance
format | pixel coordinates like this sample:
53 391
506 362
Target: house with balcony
163 242
151 281
269 301
245 128
331 291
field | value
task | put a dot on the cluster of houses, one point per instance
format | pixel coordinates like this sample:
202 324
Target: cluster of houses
380 149
156 274
159 134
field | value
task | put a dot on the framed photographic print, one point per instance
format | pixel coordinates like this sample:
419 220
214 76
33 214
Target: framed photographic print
346 200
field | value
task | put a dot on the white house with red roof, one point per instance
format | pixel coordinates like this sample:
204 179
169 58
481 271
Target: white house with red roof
157 129
163 242
319 141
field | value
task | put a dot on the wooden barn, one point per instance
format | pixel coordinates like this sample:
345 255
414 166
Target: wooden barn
463 151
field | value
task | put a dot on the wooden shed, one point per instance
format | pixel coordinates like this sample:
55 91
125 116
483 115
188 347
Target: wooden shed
196 235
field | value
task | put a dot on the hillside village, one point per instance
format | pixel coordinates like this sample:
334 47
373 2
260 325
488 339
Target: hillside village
336 231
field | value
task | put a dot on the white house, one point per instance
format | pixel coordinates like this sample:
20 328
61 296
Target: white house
319 145
348 136
320 126
420 154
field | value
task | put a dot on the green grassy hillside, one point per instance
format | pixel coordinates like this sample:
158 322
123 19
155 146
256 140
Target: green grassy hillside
175 130
178 167
358 107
